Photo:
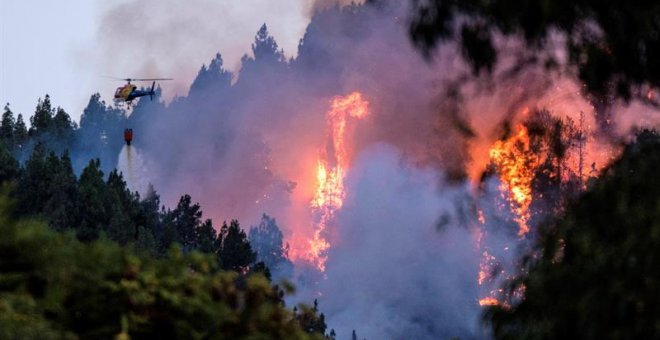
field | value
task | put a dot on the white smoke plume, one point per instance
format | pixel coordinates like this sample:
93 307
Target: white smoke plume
134 169
404 262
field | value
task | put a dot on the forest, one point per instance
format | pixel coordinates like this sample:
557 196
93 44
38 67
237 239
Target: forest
363 188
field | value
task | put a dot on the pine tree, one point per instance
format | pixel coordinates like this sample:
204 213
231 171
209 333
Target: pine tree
92 201
166 237
266 241
60 207
43 116
211 80
148 220
186 219
206 238
265 47
63 129
9 168
7 127
236 253
267 57
310 321
20 132
33 183
100 132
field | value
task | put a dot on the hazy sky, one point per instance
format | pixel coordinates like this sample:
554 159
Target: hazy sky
39 43
64 48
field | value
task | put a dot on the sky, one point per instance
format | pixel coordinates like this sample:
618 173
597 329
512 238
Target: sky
38 53
68 48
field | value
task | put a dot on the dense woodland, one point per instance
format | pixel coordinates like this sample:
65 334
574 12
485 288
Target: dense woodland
82 256
71 243
103 229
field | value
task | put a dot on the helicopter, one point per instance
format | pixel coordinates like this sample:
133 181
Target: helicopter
128 92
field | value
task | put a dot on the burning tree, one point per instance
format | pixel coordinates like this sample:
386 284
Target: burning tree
529 179
534 168
596 275
332 166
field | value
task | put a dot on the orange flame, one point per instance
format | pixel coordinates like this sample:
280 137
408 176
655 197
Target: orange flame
330 173
488 301
515 165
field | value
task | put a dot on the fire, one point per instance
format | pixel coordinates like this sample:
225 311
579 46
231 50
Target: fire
485 267
488 301
486 277
331 170
515 165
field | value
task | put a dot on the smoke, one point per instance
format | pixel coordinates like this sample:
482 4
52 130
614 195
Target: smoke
393 271
156 38
314 6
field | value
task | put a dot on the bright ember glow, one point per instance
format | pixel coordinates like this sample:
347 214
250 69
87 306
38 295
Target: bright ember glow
488 262
515 165
488 301
330 172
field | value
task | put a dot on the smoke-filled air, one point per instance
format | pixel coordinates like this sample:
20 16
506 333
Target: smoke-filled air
409 170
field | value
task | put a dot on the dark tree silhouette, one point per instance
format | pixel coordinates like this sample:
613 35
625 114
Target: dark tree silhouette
266 241
236 253
611 46
7 127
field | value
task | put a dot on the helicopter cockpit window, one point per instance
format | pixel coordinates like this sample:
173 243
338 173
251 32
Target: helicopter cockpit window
118 92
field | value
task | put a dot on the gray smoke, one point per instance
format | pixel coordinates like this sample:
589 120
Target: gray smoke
394 272
156 38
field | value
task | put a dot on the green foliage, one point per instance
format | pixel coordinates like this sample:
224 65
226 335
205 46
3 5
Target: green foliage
121 266
206 238
310 320
186 219
20 132
7 126
236 253
61 204
62 129
43 117
268 61
266 240
596 276
53 286
211 80
9 168
265 47
34 182
92 193
99 135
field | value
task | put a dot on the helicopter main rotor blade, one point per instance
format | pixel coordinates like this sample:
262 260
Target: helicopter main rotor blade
137 79
149 79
